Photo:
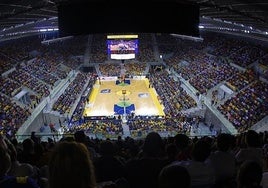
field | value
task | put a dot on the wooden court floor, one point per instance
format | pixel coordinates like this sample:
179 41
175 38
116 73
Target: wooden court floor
104 96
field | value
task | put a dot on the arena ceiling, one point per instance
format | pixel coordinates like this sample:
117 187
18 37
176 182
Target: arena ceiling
26 16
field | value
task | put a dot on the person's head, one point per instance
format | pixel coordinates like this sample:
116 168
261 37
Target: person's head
249 175
201 151
153 145
171 151
80 136
70 166
173 176
28 145
107 148
224 142
252 138
181 141
5 161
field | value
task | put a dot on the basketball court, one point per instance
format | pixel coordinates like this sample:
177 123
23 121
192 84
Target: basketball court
114 97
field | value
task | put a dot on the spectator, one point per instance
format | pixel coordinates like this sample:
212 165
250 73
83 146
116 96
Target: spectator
253 151
7 181
201 173
108 166
173 176
70 166
144 172
222 161
249 175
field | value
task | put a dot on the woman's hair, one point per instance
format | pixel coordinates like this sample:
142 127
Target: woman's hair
70 166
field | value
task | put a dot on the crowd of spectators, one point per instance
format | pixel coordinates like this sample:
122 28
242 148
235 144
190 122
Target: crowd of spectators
171 94
12 116
241 80
233 161
247 107
25 79
19 49
247 55
77 115
110 69
99 128
67 99
135 69
98 49
192 61
6 63
140 126
9 87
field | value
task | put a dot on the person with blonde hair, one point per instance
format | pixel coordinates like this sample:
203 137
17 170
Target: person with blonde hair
70 166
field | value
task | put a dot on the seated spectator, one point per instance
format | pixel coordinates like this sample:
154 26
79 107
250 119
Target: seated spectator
182 143
70 166
108 167
202 175
223 161
253 151
173 176
11 181
249 175
144 172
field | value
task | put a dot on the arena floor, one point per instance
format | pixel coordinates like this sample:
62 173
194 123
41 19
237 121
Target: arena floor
107 94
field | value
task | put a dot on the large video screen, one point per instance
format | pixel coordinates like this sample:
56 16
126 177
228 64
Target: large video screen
121 47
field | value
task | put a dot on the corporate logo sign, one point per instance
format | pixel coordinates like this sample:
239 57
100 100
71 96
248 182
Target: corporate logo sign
105 91
143 95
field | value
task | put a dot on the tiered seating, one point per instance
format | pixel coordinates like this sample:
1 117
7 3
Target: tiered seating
98 53
229 47
247 55
19 49
79 110
110 69
133 68
68 98
23 78
106 128
12 115
212 76
146 51
241 80
248 107
173 97
6 64
9 87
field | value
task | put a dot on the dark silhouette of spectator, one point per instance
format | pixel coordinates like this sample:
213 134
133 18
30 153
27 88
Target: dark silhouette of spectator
108 167
81 137
7 181
28 154
223 161
144 172
34 138
182 142
249 175
173 176
202 175
253 150
70 166
19 169
171 151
